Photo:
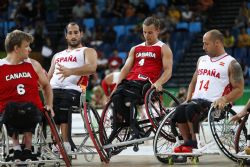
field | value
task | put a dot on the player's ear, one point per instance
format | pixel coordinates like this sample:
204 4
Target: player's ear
16 48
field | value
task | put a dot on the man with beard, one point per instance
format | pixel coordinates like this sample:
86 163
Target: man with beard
68 73
218 80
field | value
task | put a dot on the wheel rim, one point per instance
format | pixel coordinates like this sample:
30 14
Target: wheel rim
157 105
223 131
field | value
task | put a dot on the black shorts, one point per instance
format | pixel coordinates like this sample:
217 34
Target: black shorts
21 117
133 90
64 99
128 91
196 109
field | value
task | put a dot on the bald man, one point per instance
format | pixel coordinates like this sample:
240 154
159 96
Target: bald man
218 79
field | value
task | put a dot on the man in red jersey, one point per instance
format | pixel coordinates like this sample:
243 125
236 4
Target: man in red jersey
20 102
148 62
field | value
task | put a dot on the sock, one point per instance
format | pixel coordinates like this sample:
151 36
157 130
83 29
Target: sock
17 147
27 149
66 144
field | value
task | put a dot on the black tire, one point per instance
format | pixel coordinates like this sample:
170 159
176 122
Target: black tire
164 139
4 144
92 120
241 135
157 105
110 133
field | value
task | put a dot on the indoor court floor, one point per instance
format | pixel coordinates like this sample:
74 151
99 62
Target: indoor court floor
151 161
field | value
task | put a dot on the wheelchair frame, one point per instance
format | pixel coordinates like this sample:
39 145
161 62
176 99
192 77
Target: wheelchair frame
82 148
100 137
229 142
40 147
167 155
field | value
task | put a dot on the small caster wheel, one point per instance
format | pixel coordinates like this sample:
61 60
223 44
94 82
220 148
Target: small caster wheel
135 148
170 161
57 164
241 162
41 165
89 157
194 160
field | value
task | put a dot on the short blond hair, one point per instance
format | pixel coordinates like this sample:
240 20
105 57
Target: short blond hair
16 37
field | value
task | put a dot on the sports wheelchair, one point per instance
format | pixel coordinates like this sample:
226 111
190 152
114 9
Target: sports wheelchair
85 147
81 144
112 136
231 138
168 137
41 152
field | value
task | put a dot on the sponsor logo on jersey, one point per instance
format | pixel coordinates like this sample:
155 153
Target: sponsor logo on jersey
66 59
212 73
222 63
18 75
140 76
145 54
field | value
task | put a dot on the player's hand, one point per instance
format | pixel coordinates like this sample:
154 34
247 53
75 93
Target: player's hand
157 86
111 94
220 103
50 109
234 118
63 71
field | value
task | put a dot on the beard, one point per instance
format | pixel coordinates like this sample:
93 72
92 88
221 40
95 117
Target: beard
74 44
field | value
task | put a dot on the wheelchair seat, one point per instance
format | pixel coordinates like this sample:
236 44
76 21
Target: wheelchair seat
21 117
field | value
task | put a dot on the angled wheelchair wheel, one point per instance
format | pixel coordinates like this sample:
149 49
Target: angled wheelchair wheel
164 139
58 138
38 139
241 135
157 105
92 120
111 132
224 132
4 144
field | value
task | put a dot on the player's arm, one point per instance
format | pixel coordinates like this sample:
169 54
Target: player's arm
167 63
242 113
44 84
192 84
52 68
87 69
237 82
127 66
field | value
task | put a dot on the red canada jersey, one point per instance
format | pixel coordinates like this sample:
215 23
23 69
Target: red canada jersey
19 83
147 62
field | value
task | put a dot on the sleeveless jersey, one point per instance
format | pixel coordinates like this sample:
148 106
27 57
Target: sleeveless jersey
147 62
70 59
19 83
213 77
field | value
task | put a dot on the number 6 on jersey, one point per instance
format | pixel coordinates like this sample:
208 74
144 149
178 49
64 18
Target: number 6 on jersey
20 89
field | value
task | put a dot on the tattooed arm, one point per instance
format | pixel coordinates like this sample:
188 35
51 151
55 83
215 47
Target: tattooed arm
237 81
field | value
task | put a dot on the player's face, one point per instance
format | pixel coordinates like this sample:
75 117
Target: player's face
24 50
150 34
73 36
209 45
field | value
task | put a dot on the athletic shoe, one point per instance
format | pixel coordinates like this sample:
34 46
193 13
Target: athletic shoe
178 149
67 147
55 148
27 154
17 154
247 150
187 149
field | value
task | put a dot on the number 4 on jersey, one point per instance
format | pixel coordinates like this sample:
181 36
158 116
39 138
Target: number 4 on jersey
141 62
205 86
